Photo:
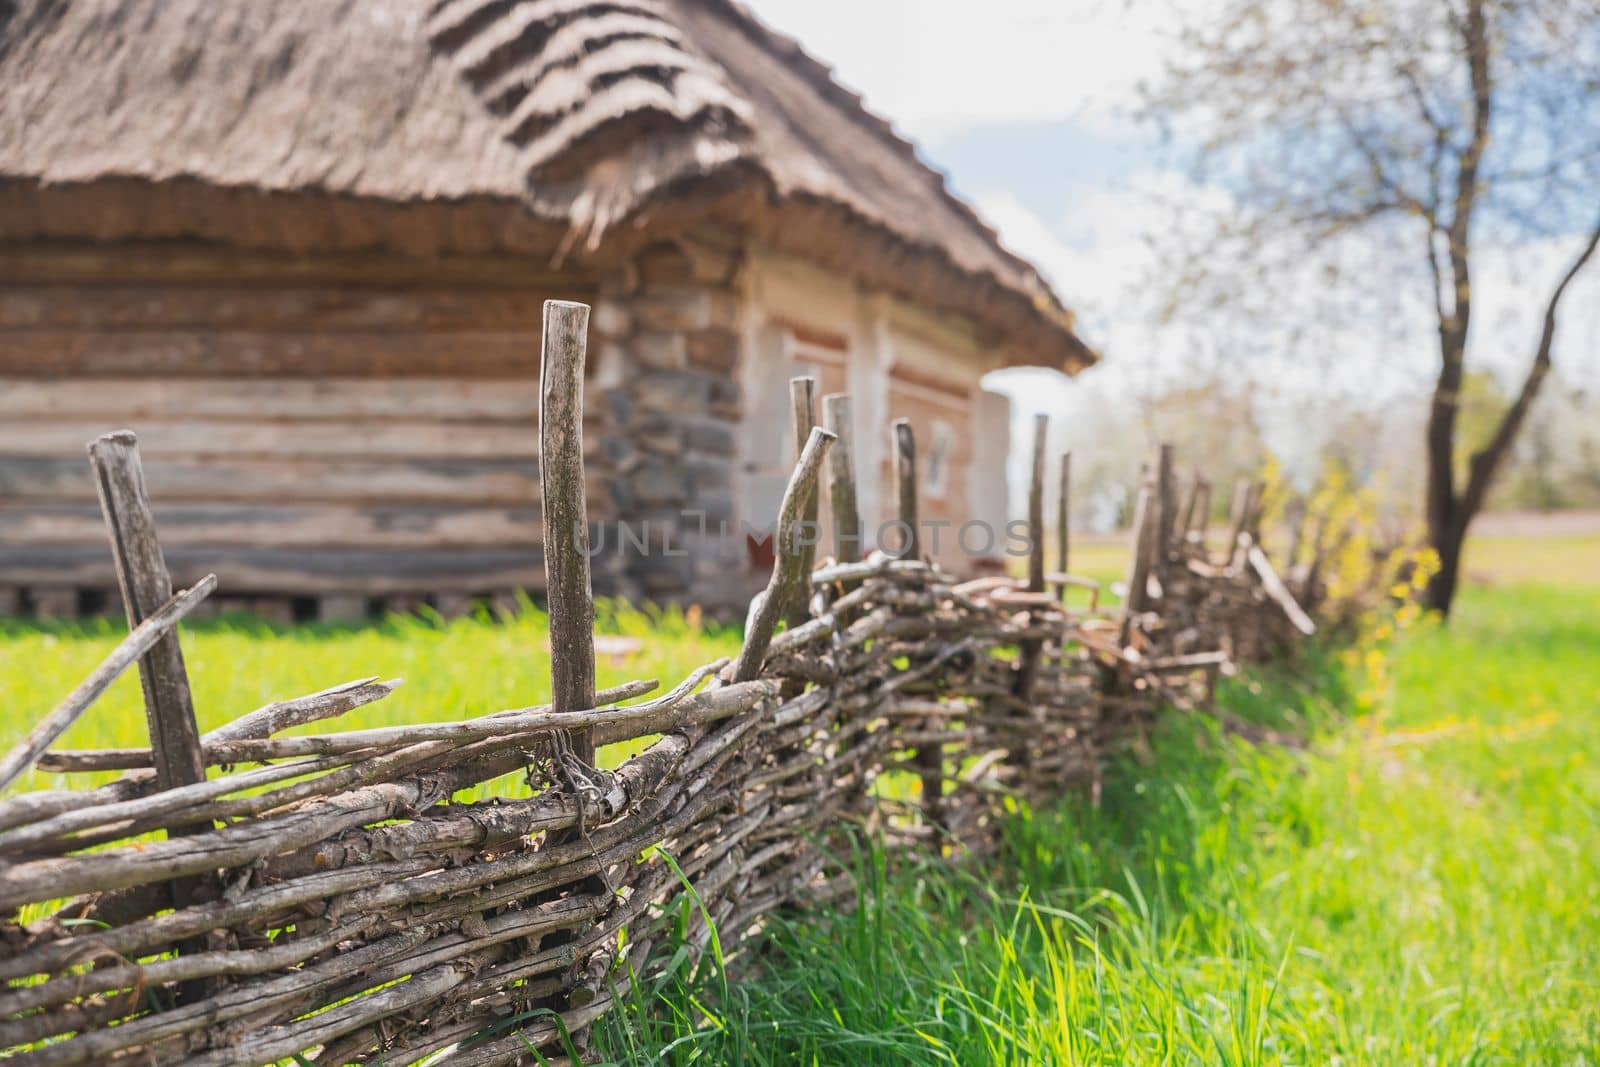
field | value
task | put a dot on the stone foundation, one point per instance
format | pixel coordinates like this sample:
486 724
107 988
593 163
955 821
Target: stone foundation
665 404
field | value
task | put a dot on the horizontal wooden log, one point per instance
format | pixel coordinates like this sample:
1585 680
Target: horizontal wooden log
206 265
294 571
284 525
77 354
182 438
138 400
479 482
290 305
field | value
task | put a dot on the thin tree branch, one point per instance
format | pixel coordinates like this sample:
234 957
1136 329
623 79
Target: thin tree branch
1486 462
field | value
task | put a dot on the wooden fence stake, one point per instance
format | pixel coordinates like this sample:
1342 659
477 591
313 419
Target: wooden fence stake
147 585
802 398
1194 531
927 759
140 641
1240 513
842 480
905 480
1258 509
1041 433
1063 515
1166 507
1138 561
1032 649
566 513
788 578
1191 501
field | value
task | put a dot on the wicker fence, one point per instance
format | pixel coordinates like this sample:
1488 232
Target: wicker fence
324 896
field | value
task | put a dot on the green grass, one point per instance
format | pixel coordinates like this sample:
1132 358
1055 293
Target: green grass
452 670
1415 886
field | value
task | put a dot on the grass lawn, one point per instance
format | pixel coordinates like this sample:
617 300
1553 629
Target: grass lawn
1416 885
452 670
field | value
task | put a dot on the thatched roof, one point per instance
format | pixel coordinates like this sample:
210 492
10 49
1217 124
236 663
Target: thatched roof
604 119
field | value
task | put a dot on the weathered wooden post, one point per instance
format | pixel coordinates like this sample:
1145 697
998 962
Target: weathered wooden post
1258 510
1166 508
1041 434
147 585
566 513
1138 562
1031 650
1240 514
1063 515
928 759
788 576
905 480
802 398
1194 527
842 480
1191 501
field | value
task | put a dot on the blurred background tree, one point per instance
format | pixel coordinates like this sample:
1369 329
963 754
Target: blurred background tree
1384 146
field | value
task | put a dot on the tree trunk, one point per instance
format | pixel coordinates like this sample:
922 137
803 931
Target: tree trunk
1449 514
1443 504
1440 595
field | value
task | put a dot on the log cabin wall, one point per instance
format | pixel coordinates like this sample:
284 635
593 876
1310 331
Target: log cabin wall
337 434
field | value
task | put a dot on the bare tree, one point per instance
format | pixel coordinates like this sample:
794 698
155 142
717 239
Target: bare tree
1402 138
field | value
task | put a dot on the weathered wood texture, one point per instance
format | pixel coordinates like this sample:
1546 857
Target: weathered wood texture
1166 507
566 557
1064 515
848 532
296 412
1137 593
1032 648
146 586
1041 437
789 572
907 510
803 402
295 570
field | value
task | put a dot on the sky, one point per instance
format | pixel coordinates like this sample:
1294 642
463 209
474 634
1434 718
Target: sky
1028 107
